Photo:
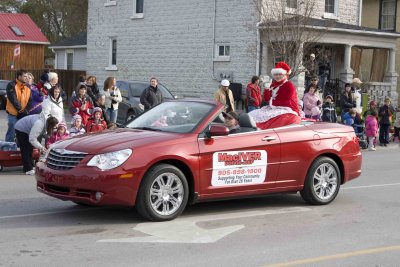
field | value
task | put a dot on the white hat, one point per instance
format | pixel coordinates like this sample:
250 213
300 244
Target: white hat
225 83
312 55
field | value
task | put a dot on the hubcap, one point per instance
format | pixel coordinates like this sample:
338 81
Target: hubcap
325 181
166 194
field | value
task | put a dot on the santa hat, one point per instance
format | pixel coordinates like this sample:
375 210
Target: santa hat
281 68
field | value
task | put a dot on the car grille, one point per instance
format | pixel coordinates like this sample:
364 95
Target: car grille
64 159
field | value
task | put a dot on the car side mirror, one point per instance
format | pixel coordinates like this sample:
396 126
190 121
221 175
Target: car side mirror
217 130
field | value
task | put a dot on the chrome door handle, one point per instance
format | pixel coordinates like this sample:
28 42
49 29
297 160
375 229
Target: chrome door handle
268 138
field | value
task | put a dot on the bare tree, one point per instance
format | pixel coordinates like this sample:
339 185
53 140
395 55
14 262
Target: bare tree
287 28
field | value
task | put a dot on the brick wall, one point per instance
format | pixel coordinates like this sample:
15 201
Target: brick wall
173 42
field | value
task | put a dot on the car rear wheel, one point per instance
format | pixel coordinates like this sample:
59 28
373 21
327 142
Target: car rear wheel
163 194
322 182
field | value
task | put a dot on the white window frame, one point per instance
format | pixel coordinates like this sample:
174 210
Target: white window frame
291 10
137 15
110 3
333 15
110 47
68 51
217 57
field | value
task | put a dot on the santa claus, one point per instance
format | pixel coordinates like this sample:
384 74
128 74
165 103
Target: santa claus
281 98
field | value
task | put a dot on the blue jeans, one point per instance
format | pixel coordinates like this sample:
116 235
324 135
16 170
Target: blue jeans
11 130
112 114
251 108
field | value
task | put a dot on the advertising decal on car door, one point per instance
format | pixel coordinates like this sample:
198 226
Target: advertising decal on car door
239 167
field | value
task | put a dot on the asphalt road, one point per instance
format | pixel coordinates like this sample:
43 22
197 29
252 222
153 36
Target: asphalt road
360 228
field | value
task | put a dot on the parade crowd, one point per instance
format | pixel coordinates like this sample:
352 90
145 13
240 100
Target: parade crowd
36 110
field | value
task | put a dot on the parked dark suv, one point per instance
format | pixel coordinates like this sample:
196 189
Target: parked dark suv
131 91
3 95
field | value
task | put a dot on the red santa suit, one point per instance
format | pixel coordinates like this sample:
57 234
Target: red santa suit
282 108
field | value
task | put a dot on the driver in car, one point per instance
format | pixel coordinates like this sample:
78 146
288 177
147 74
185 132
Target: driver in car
232 122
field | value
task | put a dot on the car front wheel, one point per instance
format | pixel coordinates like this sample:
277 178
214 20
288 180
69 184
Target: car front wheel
322 182
163 194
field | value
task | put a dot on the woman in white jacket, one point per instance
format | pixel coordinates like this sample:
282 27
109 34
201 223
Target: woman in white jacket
53 104
113 98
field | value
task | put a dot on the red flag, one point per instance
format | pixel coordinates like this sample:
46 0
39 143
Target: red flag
17 50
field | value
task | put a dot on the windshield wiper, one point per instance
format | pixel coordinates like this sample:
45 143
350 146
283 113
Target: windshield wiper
148 129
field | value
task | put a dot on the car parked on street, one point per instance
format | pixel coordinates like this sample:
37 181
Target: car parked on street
3 94
131 91
181 152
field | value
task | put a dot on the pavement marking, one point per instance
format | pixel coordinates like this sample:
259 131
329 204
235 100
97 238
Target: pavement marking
369 186
185 229
335 256
45 213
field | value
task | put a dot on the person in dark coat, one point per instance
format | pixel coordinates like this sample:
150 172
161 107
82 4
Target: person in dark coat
151 96
347 100
329 110
386 113
232 122
100 100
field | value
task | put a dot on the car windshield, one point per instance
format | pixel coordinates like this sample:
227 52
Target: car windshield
174 116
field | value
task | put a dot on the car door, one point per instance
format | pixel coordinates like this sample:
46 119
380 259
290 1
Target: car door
165 92
124 106
238 164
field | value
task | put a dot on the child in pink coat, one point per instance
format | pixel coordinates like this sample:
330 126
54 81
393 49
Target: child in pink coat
58 135
371 129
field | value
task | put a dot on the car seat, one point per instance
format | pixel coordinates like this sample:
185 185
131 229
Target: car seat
247 123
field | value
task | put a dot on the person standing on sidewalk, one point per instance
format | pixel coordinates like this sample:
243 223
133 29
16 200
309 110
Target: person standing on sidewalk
371 129
19 101
29 130
224 96
385 113
253 94
151 96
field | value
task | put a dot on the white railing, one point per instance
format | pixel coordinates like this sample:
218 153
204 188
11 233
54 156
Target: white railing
378 91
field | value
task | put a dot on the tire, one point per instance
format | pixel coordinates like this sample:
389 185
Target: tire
1 168
130 116
82 204
322 183
163 194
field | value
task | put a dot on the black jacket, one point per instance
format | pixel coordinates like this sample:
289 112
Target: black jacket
329 112
386 113
150 97
347 102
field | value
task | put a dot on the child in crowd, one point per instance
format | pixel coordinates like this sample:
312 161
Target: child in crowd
96 123
348 117
300 104
386 113
76 126
329 110
371 129
60 134
397 126
316 111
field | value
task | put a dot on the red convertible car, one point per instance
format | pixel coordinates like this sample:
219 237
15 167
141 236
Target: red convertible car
180 152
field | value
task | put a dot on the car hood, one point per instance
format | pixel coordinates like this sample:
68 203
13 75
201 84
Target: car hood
107 141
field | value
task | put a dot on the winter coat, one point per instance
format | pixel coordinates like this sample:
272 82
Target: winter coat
371 126
19 99
73 131
76 104
53 107
386 114
348 119
92 91
55 138
34 126
151 97
347 102
285 95
220 96
253 95
329 112
37 100
310 101
115 98
93 126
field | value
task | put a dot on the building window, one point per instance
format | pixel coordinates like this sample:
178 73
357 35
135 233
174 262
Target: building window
112 62
70 61
291 4
17 31
222 52
138 9
331 9
388 15
110 3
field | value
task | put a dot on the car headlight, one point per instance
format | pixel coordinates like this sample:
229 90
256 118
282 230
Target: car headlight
110 160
